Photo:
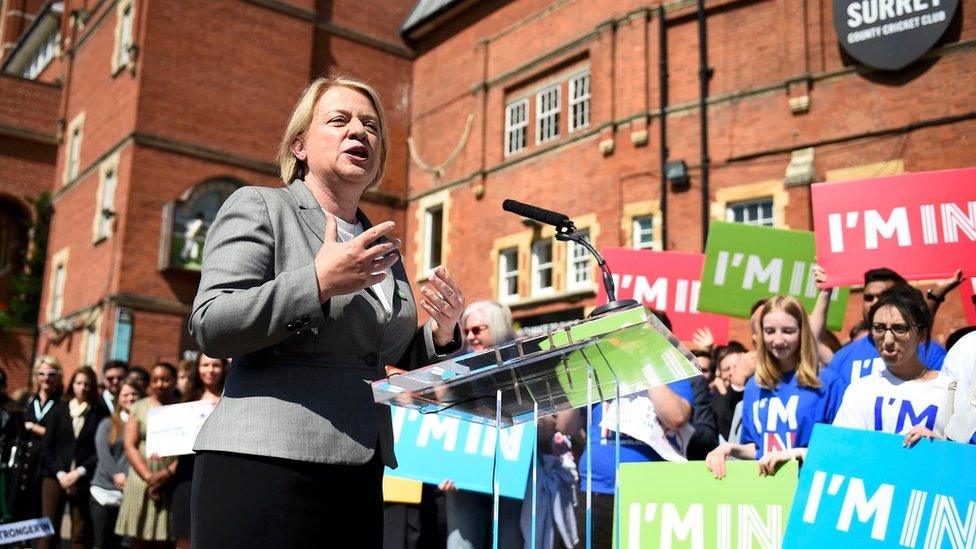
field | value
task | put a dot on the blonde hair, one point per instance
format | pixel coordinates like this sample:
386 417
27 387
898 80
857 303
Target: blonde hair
301 120
767 369
51 362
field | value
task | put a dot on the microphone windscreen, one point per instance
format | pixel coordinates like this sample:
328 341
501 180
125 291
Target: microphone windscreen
532 212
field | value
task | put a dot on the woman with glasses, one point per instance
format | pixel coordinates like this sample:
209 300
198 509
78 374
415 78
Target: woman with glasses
69 458
787 395
907 397
47 388
469 514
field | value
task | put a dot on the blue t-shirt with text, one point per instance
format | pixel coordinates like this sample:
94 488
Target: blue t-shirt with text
860 358
783 418
631 449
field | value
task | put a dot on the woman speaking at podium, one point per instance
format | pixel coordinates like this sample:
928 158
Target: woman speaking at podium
312 302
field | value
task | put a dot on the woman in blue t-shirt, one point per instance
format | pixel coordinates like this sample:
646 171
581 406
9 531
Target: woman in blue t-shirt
787 396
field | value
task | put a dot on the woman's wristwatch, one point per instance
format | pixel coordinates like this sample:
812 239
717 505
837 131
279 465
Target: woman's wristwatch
934 296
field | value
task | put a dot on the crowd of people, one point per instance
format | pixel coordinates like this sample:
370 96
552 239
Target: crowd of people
756 401
311 299
80 444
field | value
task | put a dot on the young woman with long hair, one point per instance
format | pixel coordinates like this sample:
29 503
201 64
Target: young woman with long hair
144 514
108 483
788 393
68 457
204 382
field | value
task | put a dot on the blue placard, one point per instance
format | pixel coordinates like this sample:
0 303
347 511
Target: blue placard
434 447
864 489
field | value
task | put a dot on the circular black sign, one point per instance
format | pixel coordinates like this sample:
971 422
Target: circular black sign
891 34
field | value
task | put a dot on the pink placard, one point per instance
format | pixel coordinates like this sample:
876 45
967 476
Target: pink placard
666 281
921 225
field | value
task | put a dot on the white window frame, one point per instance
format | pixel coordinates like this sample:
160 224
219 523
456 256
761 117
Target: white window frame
92 345
579 99
576 254
41 58
105 199
59 277
759 220
547 108
642 238
516 131
72 160
507 272
125 14
538 266
430 262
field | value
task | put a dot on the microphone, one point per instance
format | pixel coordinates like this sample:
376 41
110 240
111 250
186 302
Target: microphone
535 213
565 230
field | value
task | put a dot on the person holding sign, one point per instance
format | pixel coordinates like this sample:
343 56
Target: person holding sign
68 457
144 514
311 300
906 397
204 383
859 358
787 396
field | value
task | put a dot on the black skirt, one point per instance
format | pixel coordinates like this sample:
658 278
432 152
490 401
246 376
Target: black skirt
179 511
253 501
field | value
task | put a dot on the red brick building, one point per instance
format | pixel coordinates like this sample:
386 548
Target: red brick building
154 108
560 104
139 114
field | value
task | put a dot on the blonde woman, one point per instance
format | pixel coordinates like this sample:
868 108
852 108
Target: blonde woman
786 396
310 299
47 385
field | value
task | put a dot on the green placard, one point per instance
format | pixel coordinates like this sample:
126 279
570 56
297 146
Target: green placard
683 505
745 263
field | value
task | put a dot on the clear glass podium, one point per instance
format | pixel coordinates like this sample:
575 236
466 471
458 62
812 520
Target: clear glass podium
595 360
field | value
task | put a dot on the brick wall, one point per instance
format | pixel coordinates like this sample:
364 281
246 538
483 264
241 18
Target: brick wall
762 54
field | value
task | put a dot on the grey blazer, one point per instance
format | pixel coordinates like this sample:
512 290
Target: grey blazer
297 388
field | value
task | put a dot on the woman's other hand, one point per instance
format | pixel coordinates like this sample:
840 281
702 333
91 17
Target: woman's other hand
772 461
347 267
916 434
444 302
69 479
447 485
715 460
118 479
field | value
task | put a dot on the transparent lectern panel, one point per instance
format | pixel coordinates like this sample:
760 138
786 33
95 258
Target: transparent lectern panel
630 348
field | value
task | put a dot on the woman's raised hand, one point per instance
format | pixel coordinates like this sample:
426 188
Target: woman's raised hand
347 267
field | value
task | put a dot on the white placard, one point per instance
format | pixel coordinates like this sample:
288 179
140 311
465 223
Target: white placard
639 420
25 530
172 429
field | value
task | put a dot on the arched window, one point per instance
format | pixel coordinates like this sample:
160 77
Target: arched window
187 219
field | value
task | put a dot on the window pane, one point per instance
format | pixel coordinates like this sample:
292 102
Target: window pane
508 273
435 226
547 114
579 101
643 236
753 212
516 126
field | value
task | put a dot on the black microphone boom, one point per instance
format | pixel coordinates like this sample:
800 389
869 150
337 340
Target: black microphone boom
566 231
535 213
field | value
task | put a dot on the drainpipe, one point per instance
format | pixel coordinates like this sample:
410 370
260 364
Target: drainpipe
663 120
704 73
